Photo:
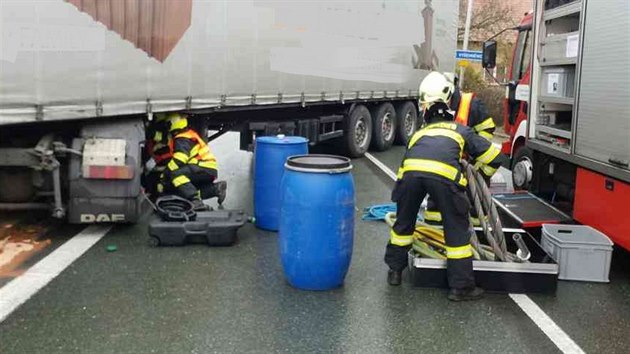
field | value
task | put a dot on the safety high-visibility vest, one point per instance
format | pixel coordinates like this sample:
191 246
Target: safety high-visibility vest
463 117
464 108
200 153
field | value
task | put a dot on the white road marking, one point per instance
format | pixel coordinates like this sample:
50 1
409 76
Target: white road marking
546 324
382 166
22 288
533 311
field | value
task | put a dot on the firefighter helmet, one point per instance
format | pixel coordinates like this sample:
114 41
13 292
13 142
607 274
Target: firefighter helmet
435 88
178 121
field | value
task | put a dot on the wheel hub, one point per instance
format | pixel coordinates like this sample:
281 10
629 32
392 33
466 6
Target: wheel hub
408 122
522 172
360 132
387 127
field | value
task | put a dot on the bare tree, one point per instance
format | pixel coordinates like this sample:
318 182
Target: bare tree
488 18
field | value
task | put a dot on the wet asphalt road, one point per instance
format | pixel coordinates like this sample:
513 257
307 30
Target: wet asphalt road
197 299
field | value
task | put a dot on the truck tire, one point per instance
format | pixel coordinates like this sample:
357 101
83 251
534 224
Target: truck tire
522 168
407 122
383 126
358 131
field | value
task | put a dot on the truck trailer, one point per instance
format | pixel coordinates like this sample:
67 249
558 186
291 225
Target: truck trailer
81 79
567 110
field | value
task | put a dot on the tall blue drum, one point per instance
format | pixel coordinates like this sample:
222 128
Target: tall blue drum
271 154
316 221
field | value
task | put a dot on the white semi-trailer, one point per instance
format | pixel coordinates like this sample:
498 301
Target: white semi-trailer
80 79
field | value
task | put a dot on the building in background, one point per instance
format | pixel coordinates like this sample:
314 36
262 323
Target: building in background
490 17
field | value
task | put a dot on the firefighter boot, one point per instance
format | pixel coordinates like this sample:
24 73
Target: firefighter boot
394 278
221 188
473 293
198 205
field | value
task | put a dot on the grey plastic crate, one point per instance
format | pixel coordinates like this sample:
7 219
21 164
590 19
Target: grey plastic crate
582 252
558 81
554 50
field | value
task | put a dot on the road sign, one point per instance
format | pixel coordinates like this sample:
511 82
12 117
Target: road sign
471 55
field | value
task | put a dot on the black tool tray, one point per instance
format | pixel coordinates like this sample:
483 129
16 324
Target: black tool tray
540 275
216 228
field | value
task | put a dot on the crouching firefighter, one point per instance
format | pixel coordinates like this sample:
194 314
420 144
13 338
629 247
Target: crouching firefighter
192 170
471 112
158 148
432 166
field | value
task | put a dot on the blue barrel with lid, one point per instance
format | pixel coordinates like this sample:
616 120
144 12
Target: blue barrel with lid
271 154
317 221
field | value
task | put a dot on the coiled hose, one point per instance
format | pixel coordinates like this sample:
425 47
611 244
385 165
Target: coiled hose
429 240
490 222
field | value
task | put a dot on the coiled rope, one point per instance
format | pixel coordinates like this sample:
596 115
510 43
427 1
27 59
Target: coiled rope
429 240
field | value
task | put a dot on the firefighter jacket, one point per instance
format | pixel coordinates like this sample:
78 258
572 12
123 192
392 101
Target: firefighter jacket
189 149
160 148
435 151
472 112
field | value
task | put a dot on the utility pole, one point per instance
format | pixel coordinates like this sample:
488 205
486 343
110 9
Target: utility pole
466 34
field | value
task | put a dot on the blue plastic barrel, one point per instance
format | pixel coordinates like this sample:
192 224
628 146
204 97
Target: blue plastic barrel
316 221
271 154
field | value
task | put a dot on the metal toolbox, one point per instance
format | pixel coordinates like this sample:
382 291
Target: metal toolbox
540 275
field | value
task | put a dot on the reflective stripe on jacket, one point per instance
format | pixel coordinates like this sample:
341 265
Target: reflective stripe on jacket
190 148
437 149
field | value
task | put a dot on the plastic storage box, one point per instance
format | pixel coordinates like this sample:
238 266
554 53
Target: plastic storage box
554 49
216 228
582 252
558 82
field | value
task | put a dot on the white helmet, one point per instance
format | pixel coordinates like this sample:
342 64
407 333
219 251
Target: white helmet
435 88
450 76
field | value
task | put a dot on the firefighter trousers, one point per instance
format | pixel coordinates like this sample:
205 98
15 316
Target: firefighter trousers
199 183
453 203
151 180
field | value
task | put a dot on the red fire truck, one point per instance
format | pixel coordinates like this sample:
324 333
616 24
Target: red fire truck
567 110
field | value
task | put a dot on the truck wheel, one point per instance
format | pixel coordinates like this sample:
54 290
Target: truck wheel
384 124
522 168
407 122
358 131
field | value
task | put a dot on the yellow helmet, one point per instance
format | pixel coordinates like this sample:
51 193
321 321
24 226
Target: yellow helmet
178 121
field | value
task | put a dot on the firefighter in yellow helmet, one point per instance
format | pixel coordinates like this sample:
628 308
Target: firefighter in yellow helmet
192 170
471 112
431 165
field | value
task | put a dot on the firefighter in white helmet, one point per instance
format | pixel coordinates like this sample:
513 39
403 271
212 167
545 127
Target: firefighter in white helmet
469 111
432 166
